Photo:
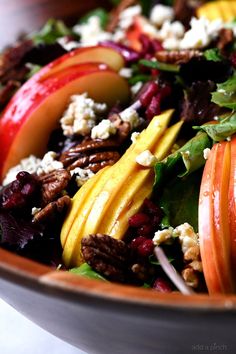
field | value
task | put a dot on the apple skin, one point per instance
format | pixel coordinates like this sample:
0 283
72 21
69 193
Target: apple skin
216 223
34 111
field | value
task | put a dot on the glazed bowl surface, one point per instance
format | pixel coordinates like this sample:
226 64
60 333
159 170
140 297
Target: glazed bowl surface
97 317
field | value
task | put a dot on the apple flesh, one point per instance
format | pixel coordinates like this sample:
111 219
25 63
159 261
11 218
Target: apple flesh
36 108
217 220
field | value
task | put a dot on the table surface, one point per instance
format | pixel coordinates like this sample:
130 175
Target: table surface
21 336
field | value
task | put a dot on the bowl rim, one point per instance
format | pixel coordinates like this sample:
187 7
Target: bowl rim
37 277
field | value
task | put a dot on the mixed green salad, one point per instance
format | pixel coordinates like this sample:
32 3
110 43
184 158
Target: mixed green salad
118 145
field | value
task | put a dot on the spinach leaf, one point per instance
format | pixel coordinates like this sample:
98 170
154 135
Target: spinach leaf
51 31
222 130
184 161
179 200
225 95
101 13
160 66
213 54
86 271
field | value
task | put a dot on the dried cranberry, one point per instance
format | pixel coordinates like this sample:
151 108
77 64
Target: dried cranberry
161 285
149 46
145 230
154 107
150 207
20 192
148 91
136 242
138 220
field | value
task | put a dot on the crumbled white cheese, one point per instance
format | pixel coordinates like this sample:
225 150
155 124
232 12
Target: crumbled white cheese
162 236
49 163
126 73
29 164
188 238
68 45
160 13
82 175
91 32
103 130
127 16
206 153
136 87
201 33
134 137
146 159
81 114
35 210
171 43
131 116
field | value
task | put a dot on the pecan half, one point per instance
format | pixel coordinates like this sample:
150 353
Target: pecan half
52 184
115 14
177 56
106 255
53 210
91 154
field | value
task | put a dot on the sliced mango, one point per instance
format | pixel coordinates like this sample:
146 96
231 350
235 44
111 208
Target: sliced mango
109 200
221 9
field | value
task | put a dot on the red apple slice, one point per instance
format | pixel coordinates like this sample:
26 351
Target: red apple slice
36 108
214 230
96 54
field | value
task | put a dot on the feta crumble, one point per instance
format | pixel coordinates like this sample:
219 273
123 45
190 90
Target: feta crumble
68 45
136 87
146 159
91 32
81 115
127 16
49 163
131 116
188 238
134 137
206 153
35 211
160 13
162 236
103 130
82 175
126 73
201 33
29 164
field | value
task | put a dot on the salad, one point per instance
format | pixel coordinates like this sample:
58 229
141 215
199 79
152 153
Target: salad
118 145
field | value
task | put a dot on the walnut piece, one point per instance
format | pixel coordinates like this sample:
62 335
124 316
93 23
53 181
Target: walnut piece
106 255
53 210
52 184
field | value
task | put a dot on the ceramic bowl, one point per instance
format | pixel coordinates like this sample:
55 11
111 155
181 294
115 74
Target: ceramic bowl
105 318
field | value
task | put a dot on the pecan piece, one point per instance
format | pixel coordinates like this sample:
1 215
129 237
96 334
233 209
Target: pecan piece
115 14
123 128
91 154
53 210
52 184
177 56
106 255
226 37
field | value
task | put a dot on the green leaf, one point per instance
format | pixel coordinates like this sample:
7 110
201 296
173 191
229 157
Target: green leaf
34 68
225 95
101 13
51 31
160 66
139 78
179 200
221 131
184 161
86 271
213 54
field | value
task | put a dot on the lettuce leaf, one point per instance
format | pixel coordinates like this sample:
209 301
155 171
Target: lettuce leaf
184 161
101 13
51 31
86 271
221 131
225 95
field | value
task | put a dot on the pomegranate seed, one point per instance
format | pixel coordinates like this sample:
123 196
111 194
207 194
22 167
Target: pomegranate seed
165 91
156 44
154 108
138 220
150 207
161 285
145 249
136 242
145 230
